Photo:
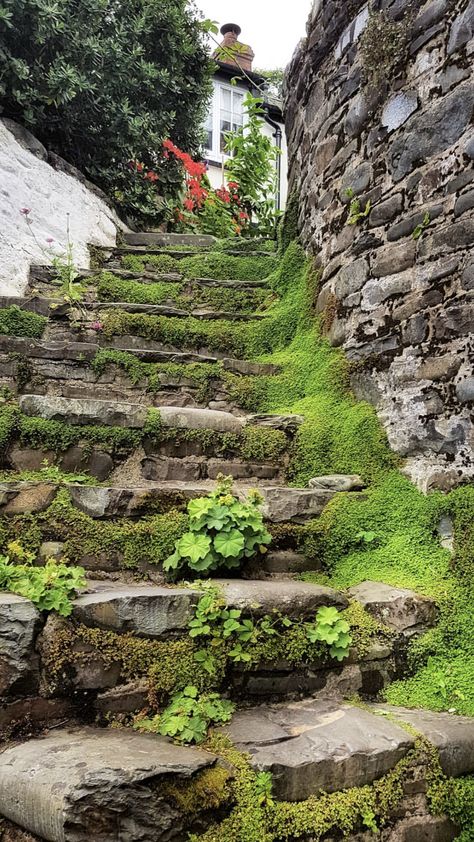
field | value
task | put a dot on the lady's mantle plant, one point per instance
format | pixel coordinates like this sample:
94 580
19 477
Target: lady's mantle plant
223 532
50 587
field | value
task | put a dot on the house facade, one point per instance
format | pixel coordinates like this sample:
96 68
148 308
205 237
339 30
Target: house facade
233 79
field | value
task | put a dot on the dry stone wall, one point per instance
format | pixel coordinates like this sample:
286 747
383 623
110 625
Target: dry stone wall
379 108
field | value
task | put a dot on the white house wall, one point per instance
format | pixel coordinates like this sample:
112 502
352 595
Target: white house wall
28 181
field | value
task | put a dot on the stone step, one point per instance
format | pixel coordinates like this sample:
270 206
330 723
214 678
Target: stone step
280 503
51 349
135 416
41 278
159 238
155 612
88 783
55 308
91 784
321 745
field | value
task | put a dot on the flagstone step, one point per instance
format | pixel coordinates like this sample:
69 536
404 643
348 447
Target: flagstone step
79 783
41 278
56 308
51 349
159 238
136 416
90 784
319 745
280 503
152 611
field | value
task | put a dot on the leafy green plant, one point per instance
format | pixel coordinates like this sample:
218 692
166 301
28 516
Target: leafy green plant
332 629
222 531
50 473
189 715
419 230
49 587
355 212
17 322
251 166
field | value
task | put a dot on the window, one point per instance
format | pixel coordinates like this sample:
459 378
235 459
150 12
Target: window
231 114
226 113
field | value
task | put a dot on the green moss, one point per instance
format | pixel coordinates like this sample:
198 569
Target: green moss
17 322
217 335
131 543
41 434
229 299
112 288
226 267
154 262
8 420
288 228
243 246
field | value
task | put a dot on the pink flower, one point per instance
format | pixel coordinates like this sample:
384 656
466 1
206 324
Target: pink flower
97 326
49 240
25 211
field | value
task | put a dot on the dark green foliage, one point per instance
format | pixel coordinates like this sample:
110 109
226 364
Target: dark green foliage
99 81
17 322
238 244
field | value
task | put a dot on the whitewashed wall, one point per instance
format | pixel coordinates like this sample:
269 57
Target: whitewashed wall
28 181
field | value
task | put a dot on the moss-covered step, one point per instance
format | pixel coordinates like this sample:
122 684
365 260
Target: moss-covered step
83 370
333 766
82 783
281 504
319 745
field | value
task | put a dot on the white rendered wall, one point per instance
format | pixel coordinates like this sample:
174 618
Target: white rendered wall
28 181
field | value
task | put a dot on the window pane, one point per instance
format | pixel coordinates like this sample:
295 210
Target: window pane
238 103
226 99
209 140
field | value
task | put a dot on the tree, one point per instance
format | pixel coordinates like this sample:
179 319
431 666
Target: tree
104 82
273 80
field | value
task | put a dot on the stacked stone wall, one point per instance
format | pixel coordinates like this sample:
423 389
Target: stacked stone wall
379 109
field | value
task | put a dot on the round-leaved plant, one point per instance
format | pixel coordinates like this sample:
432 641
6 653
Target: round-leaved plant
223 532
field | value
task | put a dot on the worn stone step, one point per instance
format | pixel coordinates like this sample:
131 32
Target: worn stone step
321 745
160 238
135 415
55 308
152 611
89 784
85 351
280 504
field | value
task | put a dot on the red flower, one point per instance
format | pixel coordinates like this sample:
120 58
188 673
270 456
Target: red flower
151 176
188 204
243 215
233 185
139 167
223 195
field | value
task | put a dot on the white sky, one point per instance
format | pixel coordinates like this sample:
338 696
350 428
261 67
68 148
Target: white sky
272 29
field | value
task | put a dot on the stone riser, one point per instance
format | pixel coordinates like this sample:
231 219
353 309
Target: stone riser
70 379
177 463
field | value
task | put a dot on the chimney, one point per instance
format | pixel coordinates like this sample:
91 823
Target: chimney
242 55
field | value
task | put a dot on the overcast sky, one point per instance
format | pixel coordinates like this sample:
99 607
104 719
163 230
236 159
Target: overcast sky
273 29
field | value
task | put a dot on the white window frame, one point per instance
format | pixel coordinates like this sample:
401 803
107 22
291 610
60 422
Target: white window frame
215 153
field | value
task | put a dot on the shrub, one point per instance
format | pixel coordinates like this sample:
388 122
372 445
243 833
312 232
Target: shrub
98 83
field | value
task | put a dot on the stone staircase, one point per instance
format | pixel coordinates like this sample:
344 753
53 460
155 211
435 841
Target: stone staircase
64 775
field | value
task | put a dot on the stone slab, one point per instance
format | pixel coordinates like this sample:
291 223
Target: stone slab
158 238
20 622
87 411
399 608
200 419
83 784
318 745
145 610
292 598
453 736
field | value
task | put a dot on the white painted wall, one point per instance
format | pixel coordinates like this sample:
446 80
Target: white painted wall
28 181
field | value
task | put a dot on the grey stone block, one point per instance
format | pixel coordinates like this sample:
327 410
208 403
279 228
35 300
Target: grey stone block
399 608
20 623
82 784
